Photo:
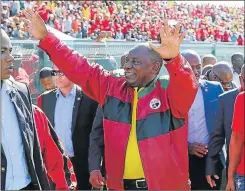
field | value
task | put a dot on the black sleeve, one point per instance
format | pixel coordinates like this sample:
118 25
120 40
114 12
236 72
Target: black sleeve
96 146
217 141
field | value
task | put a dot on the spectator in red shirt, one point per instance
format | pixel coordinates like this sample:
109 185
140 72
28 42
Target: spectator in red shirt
226 36
240 40
93 12
237 146
92 27
105 23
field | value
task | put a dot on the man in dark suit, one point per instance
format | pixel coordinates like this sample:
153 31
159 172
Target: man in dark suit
71 113
21 161
222 130
200 124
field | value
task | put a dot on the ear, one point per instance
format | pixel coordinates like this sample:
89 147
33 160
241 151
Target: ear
156 68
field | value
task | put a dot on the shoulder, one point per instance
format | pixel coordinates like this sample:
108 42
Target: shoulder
50 92
164 80
229 94
210 83
21 87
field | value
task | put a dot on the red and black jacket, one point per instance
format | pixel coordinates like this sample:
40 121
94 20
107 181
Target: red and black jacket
58 165
161 131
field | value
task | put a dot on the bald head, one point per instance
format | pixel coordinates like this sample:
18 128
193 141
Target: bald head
208 59
237 61
222 72
194 60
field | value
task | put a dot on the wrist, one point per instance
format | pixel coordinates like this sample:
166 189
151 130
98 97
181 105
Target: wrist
44 36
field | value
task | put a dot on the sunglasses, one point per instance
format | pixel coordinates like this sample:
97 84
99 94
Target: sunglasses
57 73
221 81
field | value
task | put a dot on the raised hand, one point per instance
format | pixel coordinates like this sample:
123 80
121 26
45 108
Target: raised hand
170 42
35 25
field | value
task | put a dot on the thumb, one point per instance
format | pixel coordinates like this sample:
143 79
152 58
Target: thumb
155 48
216 177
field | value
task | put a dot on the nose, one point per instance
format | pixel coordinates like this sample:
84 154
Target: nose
9 58
128 65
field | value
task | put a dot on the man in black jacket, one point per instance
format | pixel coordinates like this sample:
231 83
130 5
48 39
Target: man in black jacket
71 113
21 161
222 132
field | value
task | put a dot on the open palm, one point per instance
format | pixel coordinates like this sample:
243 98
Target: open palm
35 25
170 42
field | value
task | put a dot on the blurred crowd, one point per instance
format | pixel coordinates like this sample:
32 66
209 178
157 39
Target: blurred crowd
128 20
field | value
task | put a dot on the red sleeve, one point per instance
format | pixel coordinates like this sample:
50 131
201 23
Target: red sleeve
182 86
52 157
238 115
39 101
92 78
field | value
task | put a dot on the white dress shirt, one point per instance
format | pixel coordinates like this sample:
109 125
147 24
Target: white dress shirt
197 127
17 175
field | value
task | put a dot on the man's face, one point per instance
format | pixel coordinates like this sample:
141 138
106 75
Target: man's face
47 83
196 66
61 81
139 71
209 61
6 57
225 78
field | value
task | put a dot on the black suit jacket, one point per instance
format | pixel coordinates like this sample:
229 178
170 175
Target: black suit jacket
84 111
97 146
20 97
222 130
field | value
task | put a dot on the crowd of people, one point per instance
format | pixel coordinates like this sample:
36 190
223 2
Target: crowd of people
128 20
125 129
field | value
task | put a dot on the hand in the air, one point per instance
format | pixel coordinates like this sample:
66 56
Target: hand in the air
35 25
170 42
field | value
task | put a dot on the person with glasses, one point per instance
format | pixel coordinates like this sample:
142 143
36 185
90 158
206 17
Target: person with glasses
201 117
220 138
71 113
144 115
221 72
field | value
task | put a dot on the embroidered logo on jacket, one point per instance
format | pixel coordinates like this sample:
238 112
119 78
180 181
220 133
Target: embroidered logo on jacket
155 103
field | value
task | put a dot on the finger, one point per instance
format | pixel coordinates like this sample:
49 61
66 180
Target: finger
26 21
213 183
155 48
209 180
100 180
181 37
28 16
198 147
30 12
216 177
202 145
166 28
162 34
176 32
200 151
198 155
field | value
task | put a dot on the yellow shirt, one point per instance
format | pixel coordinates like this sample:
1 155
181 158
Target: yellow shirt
133 165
